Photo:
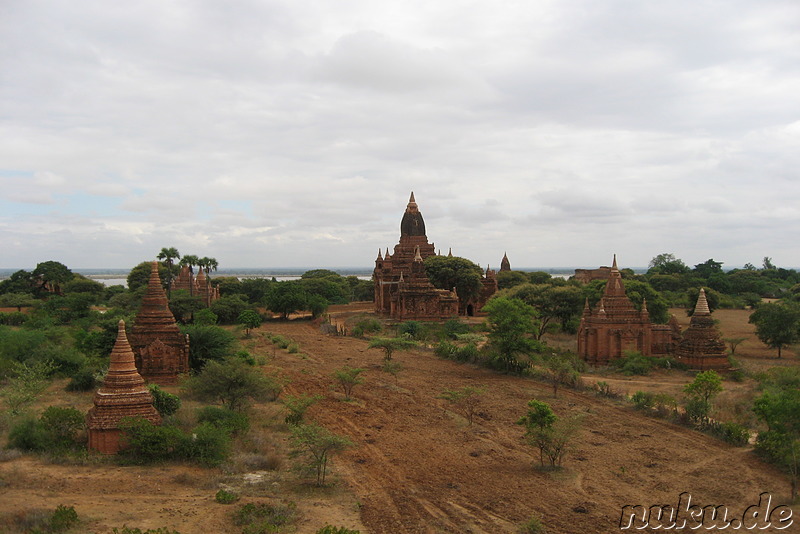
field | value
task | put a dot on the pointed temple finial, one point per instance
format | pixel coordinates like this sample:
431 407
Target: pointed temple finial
417 256
411 199
379 258
602 308
450 253
644 311
614 265
387 252
505 265
702 304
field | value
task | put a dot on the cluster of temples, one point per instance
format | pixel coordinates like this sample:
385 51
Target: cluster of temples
199 285
157 352
615 326
402 288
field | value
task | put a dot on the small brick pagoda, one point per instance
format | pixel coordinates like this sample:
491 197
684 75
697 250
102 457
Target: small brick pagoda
616 326
161 351
702 347
123 394
199 285
505 265
402 288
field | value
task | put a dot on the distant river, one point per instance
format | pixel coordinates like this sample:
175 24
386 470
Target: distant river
112 280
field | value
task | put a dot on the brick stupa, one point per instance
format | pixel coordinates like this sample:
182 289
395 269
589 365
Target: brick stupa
616 326
702 347
160 350
123 394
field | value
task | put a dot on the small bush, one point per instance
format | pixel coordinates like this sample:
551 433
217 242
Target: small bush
263 518
533 525
446 349
63 518
643 400
366 326
63 426
29 435
330 529
297 406
411 329
454 327
226 497
633 363
83 380
467 353
165 403
149 443
13 318
732 433
208 445
246 357
293 348
235 423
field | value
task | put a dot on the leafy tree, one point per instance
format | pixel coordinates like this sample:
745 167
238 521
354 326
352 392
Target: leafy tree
317 305
51 272
508 279
205 317
190 260
552 303
549 433
17 300
29 381
255 289
512 328
164 402
448 272
667 263
767 263
734 342
297 405
779 408
348 377
19 282
708 268
208 343
466 400
183 304
169 255
777 325
391 344
232 382
140 275
286 298
706 386
560 370
81 284
317 444
250 320
228 308
208 264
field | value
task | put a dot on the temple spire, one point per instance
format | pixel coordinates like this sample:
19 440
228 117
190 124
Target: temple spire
702 304
379 258
614 265
417 256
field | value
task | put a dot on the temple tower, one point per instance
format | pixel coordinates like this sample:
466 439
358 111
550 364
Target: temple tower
505 265
123 394
702 346
161 351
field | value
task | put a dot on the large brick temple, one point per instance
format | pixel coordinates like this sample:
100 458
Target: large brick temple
161 351
616 326
403 290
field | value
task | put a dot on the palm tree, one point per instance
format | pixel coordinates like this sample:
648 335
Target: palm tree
209 264
169 254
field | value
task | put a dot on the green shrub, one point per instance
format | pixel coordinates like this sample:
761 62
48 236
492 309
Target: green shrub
297 407
246 357
454 327
165 403
28 434
329 529
149 443
207 445
235 423
226 497
633 363
446 349
63 518
292 348
13 318
533 525
412 329
83 380
643 400
366 326
63 425
732 433
467 353
263 518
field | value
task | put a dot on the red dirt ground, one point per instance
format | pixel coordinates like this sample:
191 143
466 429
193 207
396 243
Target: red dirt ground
417 466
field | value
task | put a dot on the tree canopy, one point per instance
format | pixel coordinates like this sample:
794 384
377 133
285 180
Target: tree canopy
448 272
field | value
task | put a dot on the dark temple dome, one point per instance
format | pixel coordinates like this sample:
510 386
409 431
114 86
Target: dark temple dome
412 223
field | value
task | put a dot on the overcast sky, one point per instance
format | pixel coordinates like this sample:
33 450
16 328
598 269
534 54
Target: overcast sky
290 133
